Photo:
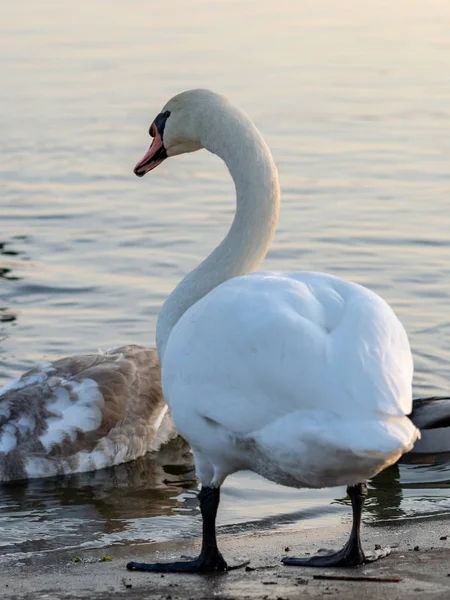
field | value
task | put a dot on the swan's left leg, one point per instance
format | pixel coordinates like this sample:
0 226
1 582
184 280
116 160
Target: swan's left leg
210 559
352 553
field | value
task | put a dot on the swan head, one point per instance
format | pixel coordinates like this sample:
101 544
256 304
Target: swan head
180 127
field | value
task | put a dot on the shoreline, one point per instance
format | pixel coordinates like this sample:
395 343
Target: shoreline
420 559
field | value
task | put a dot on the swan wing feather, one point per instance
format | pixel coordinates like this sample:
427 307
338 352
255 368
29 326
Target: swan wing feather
264 345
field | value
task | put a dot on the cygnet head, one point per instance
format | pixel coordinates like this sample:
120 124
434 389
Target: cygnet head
182 126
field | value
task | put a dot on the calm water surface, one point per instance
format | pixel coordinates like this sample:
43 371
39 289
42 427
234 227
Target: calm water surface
354 101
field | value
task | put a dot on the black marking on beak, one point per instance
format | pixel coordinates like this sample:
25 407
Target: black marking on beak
157 151
160 122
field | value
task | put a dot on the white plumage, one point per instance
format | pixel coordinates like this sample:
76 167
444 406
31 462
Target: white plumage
301 377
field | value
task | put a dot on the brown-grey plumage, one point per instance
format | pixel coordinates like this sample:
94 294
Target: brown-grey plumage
82 413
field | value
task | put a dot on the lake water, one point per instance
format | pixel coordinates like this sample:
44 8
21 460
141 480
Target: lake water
354 101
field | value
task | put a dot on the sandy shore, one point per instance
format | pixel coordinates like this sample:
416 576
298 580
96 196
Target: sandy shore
420 558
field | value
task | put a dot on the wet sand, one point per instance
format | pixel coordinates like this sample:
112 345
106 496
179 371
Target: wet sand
420 559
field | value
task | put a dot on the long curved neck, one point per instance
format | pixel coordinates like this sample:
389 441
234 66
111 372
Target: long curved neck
233 137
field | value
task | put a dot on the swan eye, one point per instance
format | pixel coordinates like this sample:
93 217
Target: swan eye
159 124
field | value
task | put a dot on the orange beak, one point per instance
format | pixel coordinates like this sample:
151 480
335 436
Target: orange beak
153 157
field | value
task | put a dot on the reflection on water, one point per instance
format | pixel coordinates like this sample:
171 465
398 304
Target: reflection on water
100 507
9 258
415 487
154 499
351 99
6 316
385 496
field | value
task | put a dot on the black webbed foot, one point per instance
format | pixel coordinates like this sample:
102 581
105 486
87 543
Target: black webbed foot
349 556
211 563
352 554
346 557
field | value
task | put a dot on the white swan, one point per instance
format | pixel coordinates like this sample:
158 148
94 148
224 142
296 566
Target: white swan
301 377
82 413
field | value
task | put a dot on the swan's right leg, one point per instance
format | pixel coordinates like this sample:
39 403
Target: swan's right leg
210 559
352 554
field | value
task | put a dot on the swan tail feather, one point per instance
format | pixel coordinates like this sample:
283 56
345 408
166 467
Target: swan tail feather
320 450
